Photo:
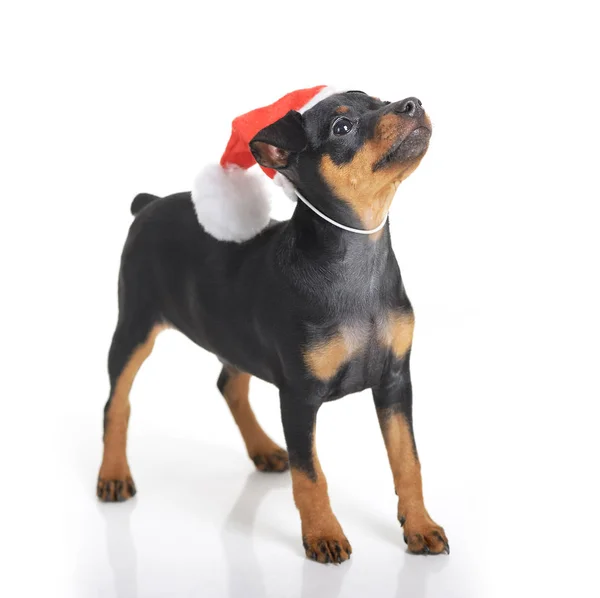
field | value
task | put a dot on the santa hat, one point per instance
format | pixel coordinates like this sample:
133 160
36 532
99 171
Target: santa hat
232 204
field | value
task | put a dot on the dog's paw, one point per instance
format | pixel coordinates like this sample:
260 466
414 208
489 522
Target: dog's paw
115 490
327 549
276 460
424 536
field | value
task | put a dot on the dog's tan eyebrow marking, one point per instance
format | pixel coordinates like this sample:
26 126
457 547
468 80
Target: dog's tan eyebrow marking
342 110
397 332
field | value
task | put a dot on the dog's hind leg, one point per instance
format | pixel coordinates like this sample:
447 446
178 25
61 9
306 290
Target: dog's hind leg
266 454
132 343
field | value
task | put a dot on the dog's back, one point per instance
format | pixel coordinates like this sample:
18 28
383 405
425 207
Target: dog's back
173 273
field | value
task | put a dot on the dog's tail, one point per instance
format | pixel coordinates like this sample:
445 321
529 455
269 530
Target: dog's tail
140 201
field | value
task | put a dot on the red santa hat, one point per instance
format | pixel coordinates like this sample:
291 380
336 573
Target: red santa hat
232 204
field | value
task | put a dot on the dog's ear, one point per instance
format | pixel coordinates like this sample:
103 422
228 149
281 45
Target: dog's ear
275 145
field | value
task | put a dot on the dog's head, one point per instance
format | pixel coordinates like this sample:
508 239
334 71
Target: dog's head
350 150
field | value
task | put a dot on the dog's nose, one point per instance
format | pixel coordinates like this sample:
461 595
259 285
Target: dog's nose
408 107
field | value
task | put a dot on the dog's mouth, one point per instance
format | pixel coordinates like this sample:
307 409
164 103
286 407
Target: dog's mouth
406 148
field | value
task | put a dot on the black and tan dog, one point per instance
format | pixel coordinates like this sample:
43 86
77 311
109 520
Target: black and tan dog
318 311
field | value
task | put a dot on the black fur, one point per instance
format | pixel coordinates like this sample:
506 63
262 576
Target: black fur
259 305
140 201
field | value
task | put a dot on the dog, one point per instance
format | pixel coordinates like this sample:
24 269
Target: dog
316 310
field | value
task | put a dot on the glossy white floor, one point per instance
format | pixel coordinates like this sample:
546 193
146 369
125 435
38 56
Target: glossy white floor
204 523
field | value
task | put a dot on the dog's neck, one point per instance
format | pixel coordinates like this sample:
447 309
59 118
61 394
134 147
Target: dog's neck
333 249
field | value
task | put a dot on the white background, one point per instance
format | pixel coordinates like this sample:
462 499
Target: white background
497 238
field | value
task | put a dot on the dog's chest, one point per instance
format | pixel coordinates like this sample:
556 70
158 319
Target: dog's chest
360 347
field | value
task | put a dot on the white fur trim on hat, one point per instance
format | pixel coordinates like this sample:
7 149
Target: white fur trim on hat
324 93
286 185
279 179
231 203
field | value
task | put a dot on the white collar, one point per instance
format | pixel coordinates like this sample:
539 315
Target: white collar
342 226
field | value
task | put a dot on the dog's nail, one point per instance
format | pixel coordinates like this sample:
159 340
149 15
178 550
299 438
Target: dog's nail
119 491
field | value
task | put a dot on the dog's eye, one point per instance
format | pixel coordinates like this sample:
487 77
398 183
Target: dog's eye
342 126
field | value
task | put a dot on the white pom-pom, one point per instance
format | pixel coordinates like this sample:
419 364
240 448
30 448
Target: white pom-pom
231 203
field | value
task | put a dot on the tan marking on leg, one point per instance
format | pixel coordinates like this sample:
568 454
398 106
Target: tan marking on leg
370 193
322 535
115 481
266 454
397 332
422 534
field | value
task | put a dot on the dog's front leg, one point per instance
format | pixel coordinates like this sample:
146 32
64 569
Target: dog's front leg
322 535
393 401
